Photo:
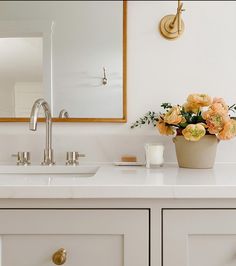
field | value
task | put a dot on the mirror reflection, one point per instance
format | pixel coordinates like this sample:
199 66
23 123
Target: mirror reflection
20 75
85 51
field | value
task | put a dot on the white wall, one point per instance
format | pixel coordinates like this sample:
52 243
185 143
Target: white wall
203 60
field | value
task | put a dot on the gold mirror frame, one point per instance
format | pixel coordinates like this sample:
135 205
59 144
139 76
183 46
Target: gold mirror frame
106 120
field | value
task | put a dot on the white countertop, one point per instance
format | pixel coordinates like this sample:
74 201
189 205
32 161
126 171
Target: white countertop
125 182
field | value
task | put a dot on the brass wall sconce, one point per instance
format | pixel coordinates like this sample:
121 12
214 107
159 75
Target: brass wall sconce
172 26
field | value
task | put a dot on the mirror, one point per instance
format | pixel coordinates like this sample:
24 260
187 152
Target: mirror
72 53
20 75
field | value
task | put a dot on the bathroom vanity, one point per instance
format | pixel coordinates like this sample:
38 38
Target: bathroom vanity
118 216
105 215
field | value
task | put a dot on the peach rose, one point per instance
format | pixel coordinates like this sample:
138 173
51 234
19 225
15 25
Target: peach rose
216 121
219 106
194 132
229 130
164 129
207 114
190 107
199 100
173 116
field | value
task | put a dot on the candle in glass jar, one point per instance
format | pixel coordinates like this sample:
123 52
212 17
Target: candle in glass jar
154 154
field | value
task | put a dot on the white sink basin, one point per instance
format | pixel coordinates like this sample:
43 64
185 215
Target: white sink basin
57 170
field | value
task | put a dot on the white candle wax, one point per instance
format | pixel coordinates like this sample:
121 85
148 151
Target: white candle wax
154 154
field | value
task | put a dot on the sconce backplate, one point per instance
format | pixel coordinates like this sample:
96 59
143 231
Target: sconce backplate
169 32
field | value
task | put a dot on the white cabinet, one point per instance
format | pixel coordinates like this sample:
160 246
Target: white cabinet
91 237
199 237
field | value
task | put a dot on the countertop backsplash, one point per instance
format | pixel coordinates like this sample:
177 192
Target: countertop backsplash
99 146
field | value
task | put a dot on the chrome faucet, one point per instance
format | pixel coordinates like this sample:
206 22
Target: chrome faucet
48 152
63 114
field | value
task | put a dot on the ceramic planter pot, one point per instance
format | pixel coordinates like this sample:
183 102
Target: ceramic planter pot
200 154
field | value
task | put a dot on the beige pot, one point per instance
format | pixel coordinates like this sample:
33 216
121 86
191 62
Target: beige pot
196 154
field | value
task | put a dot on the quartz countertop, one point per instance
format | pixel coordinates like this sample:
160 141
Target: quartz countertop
111 181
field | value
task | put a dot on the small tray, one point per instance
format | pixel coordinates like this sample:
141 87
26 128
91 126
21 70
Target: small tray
128 163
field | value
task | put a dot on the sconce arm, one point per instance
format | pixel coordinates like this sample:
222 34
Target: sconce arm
177 16
172 26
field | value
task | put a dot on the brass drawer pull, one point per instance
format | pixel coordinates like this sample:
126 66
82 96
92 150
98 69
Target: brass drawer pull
59 257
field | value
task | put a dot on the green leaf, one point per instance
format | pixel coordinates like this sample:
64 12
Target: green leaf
166 105
183 125
149 118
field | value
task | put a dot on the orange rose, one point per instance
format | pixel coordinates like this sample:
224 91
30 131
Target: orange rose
229 130
222 103
173 116
219 106
194 132
216 121
190 107
199 100
164 129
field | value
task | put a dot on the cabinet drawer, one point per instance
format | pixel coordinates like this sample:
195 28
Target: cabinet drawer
90 237
199 237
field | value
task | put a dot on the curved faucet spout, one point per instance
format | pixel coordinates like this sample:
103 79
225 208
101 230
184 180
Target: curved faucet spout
48 152
35 112
63 114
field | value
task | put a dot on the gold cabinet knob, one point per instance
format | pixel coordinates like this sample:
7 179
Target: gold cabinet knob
59 257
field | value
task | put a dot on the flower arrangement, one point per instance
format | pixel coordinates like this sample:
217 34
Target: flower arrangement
200 115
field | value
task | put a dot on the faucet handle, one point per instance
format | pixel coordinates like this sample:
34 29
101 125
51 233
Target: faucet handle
72 157
23 158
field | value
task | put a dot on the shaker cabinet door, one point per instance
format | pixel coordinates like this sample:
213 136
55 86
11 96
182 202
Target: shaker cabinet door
74 237
199 237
